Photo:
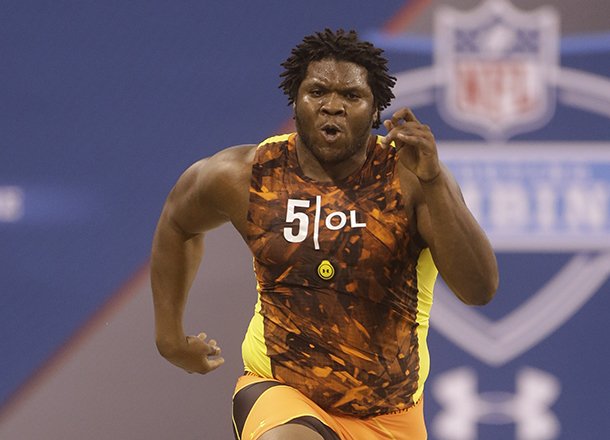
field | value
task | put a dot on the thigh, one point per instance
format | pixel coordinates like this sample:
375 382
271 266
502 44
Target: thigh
266 406
404 425
291 431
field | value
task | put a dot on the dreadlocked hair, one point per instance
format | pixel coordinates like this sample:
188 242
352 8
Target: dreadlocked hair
341 46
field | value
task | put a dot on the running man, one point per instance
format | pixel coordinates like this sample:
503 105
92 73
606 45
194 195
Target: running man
347 230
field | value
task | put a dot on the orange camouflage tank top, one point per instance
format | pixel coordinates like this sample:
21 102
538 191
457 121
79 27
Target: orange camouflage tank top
344 290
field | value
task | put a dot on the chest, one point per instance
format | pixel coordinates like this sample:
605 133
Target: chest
302 225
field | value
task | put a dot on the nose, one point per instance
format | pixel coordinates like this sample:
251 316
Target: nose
333 105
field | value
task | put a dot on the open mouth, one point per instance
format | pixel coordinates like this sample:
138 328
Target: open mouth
330 131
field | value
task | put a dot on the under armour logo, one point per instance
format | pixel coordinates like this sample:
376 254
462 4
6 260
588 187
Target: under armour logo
463 407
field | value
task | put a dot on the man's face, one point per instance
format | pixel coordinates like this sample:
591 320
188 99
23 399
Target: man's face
334 110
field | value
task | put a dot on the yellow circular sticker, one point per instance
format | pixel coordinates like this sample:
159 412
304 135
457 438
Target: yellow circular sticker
326 270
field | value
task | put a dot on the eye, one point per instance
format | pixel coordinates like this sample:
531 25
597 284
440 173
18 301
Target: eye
316 93
352 96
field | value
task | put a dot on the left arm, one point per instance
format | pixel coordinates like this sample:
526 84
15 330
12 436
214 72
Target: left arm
459 247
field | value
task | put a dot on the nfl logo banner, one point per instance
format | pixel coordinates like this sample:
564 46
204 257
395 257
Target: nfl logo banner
499 66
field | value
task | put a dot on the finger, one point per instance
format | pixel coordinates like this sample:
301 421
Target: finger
215 363
397 135
199 344
418 142
404 115
409 116
410 138
385 142
398 117
207 365
213 350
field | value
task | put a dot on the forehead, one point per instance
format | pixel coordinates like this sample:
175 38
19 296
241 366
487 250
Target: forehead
343 73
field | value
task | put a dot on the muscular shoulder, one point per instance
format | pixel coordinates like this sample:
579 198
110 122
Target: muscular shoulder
223 179
227 168
215 189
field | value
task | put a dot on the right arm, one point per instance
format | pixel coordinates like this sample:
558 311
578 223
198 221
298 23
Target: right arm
195 205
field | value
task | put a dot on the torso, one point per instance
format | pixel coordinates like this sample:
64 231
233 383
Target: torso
337 270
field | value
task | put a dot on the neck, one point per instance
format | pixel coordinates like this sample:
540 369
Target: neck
315 169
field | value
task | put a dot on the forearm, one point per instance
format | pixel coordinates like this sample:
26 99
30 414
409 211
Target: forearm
459 246
174 263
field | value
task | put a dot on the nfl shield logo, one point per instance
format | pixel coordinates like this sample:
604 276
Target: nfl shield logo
498 65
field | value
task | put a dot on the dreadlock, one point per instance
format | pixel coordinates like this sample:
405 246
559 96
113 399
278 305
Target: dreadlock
341 46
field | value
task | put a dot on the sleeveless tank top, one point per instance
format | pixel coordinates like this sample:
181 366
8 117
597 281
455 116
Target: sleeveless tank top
344 289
